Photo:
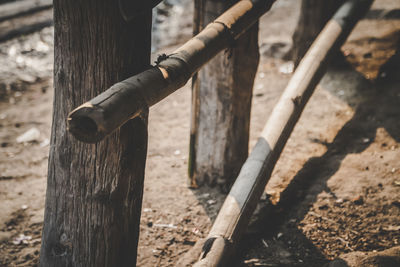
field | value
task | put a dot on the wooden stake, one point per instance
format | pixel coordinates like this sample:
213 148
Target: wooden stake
97 118
221 104
239 205
94 192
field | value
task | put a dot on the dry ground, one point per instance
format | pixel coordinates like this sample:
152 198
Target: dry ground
335 189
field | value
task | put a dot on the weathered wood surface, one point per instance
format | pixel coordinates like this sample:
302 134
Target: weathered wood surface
95 119
94 192
19 8
314 14
25 24
239 205
221 104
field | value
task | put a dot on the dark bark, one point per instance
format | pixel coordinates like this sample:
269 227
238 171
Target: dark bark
313 16
221 104
94 192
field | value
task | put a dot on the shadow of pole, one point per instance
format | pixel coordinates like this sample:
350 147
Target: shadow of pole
379 109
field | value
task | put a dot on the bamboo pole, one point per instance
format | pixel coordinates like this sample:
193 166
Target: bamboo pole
97 118
221 105
239 205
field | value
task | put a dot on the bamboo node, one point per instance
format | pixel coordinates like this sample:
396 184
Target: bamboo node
161 58
207 247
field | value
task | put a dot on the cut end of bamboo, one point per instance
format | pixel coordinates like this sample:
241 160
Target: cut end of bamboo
85 124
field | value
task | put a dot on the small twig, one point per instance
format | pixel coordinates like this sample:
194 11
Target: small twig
345 242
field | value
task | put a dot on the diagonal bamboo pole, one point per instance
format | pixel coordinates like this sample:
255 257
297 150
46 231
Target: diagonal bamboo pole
239 205
125 100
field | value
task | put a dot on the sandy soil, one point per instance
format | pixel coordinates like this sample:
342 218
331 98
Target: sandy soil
334 190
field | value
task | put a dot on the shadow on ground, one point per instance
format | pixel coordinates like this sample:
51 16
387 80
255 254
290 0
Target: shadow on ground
283 242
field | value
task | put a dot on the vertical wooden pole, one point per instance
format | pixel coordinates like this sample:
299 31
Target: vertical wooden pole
221 104
94 192
314 15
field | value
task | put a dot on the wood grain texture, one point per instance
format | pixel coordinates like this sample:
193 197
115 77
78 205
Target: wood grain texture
94 192
221 104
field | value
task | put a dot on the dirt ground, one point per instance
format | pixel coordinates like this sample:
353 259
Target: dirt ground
335 189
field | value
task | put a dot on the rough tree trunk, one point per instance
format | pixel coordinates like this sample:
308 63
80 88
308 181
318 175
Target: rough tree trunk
313 16
221 104
94 192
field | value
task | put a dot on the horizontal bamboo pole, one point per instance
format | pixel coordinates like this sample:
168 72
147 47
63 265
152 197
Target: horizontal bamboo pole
95 119
239 205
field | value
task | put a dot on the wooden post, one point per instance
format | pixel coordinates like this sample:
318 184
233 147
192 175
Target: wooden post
94 191
221 104
239 205
314 15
